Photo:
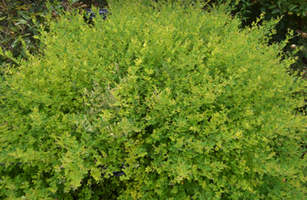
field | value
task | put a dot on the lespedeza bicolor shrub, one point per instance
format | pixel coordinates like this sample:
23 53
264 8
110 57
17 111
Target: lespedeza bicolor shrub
194 107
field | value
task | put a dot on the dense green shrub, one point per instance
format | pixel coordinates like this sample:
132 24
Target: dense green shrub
195 107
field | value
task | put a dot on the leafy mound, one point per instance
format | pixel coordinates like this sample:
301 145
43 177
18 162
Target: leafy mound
193 106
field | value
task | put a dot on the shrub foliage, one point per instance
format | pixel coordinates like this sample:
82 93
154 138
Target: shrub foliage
21 19
194 107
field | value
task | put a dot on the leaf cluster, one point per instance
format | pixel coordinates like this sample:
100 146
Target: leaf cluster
291 15
20 21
